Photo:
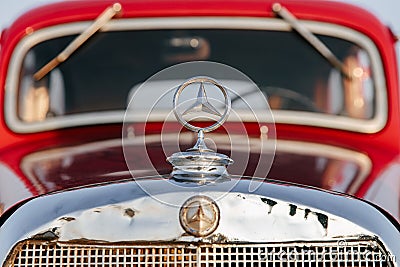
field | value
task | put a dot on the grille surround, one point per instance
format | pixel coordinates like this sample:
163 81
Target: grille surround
351 253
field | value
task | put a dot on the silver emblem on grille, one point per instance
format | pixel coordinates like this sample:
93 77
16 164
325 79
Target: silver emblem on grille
199 163
199 216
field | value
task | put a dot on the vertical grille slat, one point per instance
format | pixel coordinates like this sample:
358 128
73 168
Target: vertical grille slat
34 253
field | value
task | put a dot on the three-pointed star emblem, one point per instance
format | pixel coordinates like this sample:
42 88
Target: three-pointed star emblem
199 216
199 219
202 104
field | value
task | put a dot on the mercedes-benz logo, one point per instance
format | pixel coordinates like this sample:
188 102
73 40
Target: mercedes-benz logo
199 216
200 164
202 104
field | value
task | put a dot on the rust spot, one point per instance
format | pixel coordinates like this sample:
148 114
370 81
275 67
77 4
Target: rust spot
68 219
129 212
240 196
217 238
46 236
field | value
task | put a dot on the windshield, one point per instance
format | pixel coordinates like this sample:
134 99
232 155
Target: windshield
101 75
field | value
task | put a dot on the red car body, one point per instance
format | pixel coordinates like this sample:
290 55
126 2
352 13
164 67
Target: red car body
86 148
382 147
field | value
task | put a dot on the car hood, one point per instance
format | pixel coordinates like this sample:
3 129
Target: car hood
306 163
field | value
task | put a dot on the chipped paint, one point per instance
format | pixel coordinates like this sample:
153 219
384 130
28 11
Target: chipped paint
271 203
122 212
217 239
47 235
293 209
306 212
129 212
68 219
243 218
323 219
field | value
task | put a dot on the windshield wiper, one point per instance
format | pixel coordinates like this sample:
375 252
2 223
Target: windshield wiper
304 32
100 21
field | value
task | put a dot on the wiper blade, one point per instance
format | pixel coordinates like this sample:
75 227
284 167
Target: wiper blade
304 32
100 21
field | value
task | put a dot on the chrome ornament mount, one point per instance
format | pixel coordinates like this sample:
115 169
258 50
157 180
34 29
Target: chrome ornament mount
200 164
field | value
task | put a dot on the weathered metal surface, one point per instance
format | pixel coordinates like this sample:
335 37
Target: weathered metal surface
243 218
122 212
319 253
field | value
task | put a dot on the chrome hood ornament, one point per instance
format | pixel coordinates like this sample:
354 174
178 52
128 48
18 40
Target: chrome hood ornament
199 163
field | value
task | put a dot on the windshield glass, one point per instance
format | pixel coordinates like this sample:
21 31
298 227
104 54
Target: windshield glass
101 75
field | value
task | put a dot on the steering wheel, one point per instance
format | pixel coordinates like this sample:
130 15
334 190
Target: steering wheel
290 99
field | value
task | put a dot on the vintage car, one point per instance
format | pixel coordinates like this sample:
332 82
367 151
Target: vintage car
199 133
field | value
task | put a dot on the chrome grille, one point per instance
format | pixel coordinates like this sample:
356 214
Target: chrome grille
35 253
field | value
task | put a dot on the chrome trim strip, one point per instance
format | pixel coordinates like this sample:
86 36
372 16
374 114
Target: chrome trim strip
313 119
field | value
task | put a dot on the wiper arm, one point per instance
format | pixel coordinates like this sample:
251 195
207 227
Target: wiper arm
100 21
304 32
